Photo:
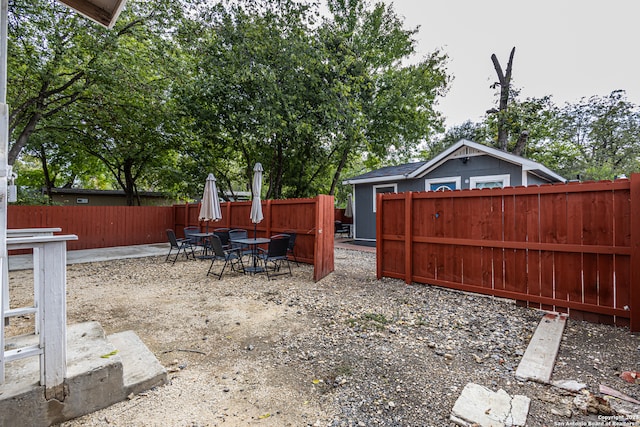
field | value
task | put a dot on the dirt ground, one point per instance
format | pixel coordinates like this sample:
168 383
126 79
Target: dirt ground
348 350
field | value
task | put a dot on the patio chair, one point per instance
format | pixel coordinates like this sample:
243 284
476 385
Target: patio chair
292 243
341 228
238 233
223 234
276 256
230 257
179 245
196 242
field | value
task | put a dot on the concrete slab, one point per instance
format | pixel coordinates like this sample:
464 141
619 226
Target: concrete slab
142 371
540 357
25 262
94 380
478 406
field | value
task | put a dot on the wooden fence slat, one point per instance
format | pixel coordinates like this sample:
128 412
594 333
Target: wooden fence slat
408 252
634 282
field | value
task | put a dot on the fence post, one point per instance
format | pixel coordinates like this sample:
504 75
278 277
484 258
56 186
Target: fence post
379 239
186 214
634 285
268 219
408 237
227 215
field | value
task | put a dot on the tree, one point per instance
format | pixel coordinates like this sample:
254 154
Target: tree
606 133
476 132
532 120
61 163
82 86
380 105
256 94
504 81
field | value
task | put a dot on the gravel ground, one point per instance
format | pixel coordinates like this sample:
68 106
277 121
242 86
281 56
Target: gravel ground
349 350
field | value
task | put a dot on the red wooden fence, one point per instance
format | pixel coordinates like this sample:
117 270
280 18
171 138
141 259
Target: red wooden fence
97 226
564 247
106 226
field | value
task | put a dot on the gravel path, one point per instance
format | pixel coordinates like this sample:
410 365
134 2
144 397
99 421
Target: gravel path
349 350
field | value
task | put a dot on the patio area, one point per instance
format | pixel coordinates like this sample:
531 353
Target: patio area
348 349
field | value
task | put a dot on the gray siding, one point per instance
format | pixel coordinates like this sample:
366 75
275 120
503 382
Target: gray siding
535 180
475 166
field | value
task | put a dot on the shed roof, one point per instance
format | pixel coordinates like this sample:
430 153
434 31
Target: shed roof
462 148
389 173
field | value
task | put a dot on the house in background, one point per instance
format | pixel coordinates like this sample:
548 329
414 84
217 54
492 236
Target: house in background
85 197
464 165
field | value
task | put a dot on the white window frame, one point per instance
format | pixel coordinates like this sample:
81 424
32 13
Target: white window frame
474 180
375 193
456 179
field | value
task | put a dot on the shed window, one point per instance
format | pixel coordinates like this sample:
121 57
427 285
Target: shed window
442 184
379 189
490 181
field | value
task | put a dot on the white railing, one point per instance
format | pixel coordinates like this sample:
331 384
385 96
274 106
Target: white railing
49 306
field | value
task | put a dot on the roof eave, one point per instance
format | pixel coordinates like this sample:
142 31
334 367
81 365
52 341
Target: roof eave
374 180
544 172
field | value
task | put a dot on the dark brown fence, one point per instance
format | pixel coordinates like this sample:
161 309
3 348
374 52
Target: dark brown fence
97 226
569 247
306 217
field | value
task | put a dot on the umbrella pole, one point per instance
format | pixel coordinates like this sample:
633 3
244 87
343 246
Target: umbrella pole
255 230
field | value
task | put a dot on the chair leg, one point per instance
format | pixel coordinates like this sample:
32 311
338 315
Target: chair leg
213 260
294 258
176 257
193 254
238 261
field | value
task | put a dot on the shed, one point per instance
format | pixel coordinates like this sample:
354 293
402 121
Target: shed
464 165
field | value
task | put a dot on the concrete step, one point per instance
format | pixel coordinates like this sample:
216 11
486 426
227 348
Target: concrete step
96 372
142 371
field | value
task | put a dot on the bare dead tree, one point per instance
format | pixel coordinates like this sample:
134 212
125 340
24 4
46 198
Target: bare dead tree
504 81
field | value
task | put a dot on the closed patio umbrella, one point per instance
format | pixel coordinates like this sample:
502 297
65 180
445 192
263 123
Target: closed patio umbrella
256 205
348 212
210 207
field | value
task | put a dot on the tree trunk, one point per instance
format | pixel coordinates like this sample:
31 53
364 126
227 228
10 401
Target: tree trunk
505 82
521 144
22 140
336 176
45 170
130 185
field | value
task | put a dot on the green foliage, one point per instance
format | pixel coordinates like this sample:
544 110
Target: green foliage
382 110
305 100
180 89
606 133
89 100
596 138
476 132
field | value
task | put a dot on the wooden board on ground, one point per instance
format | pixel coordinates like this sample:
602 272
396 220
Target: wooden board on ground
540 357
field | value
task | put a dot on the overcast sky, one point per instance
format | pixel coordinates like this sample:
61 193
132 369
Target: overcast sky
565 48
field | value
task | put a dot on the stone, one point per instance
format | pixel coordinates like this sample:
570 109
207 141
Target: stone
479 406
569 385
